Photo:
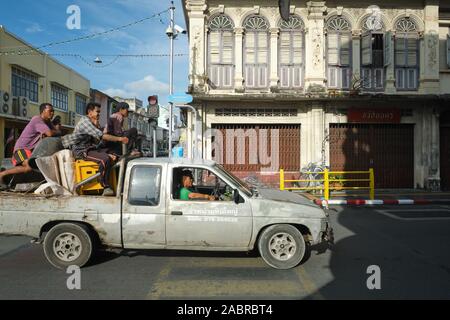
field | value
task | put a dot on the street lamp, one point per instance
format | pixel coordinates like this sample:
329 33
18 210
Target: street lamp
172 32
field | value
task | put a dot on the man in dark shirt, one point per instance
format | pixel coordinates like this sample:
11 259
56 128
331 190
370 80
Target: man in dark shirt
114 126
85 141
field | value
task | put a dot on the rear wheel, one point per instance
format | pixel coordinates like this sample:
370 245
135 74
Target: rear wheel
68 244
282 246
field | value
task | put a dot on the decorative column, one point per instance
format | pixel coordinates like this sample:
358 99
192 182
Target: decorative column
197 36
274 32
390 69
315 45
356 53
238 75
429 75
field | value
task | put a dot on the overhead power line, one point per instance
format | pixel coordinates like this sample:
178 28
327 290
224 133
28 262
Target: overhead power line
90 36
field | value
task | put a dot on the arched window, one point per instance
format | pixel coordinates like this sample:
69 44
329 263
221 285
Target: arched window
374 45
291 53
256 52
406 54
339 44
221 52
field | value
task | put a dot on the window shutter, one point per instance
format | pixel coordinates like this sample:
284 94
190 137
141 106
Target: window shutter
345 78
250 48
227 48
448 50
387 46
400 51
262 52
333 49
332 77
297 77
285 48
412 47
214 44
298 47
366 48
249 73
412 79
263 76
346 40
284 79
400 78
227 76
367 78
379 79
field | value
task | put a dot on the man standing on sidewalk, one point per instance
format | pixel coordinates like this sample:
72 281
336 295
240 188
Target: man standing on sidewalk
85 144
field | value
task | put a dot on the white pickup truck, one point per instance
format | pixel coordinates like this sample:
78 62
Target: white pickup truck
147 213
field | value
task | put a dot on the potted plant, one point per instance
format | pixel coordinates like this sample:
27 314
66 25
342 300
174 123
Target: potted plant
356 85
336 185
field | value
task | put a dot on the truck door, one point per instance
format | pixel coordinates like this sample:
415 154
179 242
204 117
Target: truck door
220 223
143 211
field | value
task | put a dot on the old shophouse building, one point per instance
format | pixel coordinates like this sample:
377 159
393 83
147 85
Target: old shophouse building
352 84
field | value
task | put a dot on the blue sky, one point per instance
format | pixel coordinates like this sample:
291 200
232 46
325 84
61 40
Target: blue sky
44 21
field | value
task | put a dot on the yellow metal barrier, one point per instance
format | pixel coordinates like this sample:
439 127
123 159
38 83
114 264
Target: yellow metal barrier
326 182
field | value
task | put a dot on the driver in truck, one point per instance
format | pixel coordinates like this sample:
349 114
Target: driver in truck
186 193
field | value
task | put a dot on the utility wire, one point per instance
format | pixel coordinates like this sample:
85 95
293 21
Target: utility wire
90 36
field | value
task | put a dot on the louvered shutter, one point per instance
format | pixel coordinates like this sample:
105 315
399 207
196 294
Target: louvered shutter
298 47
332 77
250 48
333 49
262 59
400 78
346 40
367 78
298 76
412 48
400 51
214 47
227 47
366 49
412 79
284 76
262 51
285 48
379 78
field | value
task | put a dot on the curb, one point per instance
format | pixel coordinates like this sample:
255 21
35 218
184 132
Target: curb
359 202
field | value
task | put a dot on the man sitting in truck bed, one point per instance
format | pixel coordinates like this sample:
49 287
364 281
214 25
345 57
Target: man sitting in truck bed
28 146
85 141
114 126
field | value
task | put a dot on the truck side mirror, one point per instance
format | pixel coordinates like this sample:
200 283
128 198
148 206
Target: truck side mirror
236 196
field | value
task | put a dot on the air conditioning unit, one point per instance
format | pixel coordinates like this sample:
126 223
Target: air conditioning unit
72 117
5 103
21 107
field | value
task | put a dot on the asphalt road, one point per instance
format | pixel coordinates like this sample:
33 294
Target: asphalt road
409 244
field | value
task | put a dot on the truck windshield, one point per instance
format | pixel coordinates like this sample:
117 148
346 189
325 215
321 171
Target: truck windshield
242 186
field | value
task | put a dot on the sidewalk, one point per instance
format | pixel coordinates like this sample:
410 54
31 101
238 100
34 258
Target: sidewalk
384 197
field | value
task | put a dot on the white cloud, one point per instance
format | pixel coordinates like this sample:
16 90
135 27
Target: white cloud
34 28
140 89
116 93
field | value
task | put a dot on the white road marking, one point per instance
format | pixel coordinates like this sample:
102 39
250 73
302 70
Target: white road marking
393 216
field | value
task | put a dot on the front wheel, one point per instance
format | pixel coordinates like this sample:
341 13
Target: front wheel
68 244
282 246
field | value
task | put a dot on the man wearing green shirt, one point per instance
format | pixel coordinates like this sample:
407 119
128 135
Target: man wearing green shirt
186 193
